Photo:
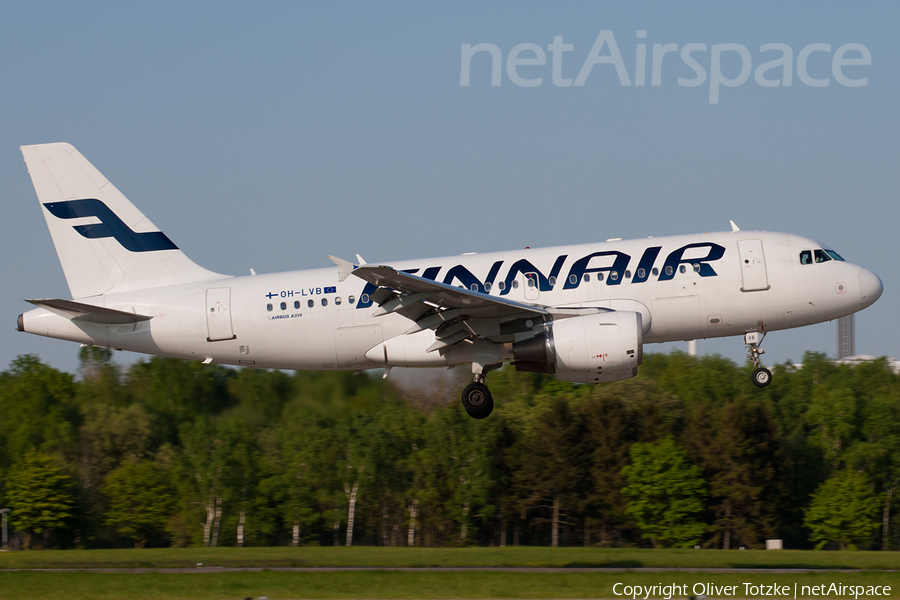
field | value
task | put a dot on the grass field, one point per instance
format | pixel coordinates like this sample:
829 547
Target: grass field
206 583
518 556
386 584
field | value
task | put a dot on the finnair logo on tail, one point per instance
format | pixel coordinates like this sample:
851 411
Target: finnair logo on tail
110 225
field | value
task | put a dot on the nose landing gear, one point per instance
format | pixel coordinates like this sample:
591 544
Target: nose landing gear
761 375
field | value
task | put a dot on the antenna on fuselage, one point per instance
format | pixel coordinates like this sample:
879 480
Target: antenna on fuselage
734 227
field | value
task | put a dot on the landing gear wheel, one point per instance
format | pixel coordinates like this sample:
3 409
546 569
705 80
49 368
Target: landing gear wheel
477 400
762 377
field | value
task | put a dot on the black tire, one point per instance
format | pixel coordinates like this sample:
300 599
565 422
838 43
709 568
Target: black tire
477 400
762 377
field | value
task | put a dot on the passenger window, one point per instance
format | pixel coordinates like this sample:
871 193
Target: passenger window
515 284
474 287
821 256
364 299
552 281
337 300
284 306
487 287
613 276
310 303
599 276
669 271
573 279
296 304
502 285
681 269
587 277
806 257
531 282
627 274
351 299
641 273
654 272
269 307
696 267
324 301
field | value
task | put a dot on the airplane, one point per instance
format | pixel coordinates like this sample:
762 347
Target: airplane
581 312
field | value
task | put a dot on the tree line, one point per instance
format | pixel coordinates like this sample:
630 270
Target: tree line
177 453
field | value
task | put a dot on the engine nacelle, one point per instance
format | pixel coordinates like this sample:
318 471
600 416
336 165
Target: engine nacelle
589 349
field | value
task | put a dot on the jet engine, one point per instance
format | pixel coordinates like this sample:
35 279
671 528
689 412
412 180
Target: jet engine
606 346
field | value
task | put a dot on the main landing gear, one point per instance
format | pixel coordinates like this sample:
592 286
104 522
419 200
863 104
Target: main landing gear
761 375
476 398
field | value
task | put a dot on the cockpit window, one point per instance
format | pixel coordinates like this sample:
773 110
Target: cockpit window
821 256
806 257
834 255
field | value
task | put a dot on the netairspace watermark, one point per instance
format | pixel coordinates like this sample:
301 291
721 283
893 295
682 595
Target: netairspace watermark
777 70
750 590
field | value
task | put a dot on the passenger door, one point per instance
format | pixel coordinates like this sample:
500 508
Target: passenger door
753 266
218 314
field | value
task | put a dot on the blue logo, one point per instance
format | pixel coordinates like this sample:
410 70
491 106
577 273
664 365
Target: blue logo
110 225
617 274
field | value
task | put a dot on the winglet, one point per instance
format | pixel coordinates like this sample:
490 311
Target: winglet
345 267
733 226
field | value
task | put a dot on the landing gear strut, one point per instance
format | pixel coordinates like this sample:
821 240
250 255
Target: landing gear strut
476 398
761 375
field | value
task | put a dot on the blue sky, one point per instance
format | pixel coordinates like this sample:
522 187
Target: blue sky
269 135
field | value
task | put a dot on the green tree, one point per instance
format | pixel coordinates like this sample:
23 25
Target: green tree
843 510
666 494
37 408
554 472
205 475
140 501
792 396
460 469
737 448
39 495
176 392
260 396
616 417
833 416
243 463
877 451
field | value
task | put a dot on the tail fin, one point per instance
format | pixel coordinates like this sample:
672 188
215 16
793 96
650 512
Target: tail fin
103 242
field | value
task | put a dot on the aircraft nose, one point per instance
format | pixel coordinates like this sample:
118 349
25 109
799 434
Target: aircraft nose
870 288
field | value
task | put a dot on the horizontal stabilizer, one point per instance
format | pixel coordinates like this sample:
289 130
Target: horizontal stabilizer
88 312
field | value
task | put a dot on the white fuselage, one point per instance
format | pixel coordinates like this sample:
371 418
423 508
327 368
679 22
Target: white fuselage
685 287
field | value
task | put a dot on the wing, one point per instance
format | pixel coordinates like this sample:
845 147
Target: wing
440 295
454 313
